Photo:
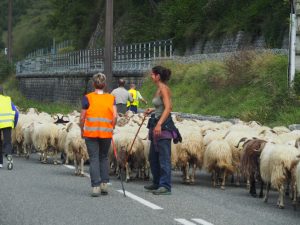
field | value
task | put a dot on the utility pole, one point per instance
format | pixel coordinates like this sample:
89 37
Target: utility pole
9 35
108 50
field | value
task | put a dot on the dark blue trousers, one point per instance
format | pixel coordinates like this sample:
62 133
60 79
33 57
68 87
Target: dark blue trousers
98 153
6 145
160 162
132 108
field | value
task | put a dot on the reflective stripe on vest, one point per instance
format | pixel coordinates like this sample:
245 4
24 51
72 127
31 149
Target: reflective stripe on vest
134 96
99 116
98 128
99 119
7 115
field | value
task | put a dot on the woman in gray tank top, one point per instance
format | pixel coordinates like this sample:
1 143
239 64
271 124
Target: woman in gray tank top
160 148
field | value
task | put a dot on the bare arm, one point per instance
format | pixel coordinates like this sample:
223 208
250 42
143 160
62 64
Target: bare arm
141 97
82 119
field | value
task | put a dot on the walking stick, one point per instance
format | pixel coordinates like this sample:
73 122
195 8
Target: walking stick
137 132
116 156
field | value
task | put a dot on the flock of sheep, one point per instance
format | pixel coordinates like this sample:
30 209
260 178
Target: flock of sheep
248 150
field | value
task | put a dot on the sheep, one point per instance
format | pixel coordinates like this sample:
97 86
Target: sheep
27 142
213 135
218 159
45 137
18 138
281 130
235 138
62 133
295 169
188 154
291 136
252 149
33 111
275 167
75 148
129 155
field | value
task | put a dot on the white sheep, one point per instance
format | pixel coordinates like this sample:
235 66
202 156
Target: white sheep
129 156
45 138
188 154
275 164
75 148
218 160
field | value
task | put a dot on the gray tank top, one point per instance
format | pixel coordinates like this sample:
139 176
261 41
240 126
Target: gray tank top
159 106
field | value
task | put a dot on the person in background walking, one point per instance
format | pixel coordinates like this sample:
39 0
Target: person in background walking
8 120
136 95
122 96
97 121
160 148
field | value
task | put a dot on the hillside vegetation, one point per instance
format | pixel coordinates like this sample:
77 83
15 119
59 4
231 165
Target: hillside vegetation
246 86
37 22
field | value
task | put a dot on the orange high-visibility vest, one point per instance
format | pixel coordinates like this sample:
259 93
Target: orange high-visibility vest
99 116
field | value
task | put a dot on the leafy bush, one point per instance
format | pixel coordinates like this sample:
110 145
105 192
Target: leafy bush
5 68
238 68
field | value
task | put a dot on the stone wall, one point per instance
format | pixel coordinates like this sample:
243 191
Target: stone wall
64 88
232 43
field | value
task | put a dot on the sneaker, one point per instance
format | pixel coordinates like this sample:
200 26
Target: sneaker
103 188
151 187
1 165
161 191
9 157
95 191
9 162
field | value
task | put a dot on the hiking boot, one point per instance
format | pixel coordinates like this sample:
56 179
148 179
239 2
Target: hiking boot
103 187
161 191
9 162
95 191
151 187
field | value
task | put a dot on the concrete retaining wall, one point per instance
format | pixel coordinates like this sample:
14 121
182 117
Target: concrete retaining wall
64 88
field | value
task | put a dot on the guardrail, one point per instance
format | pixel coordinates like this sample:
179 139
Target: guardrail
128 58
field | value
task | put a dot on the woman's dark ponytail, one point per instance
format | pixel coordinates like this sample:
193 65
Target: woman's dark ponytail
165 73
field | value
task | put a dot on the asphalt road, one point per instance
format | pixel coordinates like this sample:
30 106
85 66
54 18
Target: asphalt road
34 193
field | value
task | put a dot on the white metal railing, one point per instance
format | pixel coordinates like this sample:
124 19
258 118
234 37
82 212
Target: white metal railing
133 57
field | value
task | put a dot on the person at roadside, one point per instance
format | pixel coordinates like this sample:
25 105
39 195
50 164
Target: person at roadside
97 121
122 96
8 120
136 95
161 131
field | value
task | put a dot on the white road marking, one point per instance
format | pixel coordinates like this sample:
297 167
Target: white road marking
73 168
184 221
141 200
201 221
130 195
85 174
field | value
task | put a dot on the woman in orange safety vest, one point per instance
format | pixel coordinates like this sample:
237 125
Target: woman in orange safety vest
97 121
